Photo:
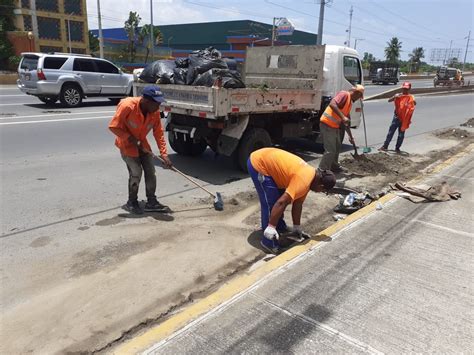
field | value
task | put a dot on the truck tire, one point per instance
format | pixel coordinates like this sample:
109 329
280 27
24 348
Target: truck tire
183 144
252 140
71 95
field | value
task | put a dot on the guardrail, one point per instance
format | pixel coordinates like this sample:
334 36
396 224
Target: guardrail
417 91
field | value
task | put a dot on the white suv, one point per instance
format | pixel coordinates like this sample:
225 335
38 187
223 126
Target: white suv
70 78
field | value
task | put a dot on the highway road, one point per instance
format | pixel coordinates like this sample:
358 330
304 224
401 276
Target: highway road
62 185
63 162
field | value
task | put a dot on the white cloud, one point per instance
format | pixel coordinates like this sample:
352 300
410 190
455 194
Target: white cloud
115 13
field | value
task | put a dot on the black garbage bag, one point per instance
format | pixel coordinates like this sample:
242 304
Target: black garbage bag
179 76
231 63
182 62
230 79
160 71
202 61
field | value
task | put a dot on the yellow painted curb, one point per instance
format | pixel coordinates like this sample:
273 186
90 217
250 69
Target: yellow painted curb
243 282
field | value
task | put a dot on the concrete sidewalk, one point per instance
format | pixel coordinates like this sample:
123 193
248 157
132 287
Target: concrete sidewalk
399 280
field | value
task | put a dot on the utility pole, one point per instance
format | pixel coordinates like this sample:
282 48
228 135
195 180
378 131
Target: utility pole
69 30
355 41
152 40
467 47
101 37
319 38
273 31
350 26
446 56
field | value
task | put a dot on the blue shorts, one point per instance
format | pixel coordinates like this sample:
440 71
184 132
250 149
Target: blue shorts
268 193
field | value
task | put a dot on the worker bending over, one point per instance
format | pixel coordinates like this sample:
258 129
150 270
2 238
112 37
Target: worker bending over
282 178
334 118
134 118
404 108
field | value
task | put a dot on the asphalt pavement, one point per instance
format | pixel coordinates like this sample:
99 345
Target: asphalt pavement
63 162
397 281
372 89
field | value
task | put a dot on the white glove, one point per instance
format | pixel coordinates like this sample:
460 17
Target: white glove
299 231
271 233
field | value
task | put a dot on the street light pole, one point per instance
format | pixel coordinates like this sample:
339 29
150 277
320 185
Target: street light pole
152 40
69 31
101 38
355 41
319 38
467 47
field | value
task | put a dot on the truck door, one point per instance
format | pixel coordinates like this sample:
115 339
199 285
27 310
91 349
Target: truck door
352 72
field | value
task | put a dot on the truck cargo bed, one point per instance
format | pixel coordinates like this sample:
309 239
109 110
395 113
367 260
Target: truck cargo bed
214 103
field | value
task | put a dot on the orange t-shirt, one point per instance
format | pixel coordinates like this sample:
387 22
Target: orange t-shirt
404 108
129 120
289 171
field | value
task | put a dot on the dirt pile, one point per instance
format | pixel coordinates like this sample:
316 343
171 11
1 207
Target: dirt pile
378 163
469 123
455 133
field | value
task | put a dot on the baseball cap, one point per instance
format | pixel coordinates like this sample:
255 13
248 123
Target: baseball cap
359 88
406 85
328 179
153 92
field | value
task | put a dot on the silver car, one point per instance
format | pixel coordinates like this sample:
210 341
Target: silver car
70 78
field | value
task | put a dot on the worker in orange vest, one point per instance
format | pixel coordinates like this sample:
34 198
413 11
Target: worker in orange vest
337 117
404 108
134 118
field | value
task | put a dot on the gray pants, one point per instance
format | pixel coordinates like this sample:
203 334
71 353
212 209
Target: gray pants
135 168
332 146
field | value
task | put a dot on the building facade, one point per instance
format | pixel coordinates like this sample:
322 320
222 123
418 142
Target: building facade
52 25
230 37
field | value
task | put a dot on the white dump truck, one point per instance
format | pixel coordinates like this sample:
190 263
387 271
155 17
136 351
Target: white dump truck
287 88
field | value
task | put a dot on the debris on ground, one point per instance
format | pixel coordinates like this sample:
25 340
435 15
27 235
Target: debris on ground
423 193
338 217
469 123
456 133
353 202
378 163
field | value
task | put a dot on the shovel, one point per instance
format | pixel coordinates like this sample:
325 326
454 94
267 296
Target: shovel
355 154
218 201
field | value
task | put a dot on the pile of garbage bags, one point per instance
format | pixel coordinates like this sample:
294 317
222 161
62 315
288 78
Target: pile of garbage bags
201 68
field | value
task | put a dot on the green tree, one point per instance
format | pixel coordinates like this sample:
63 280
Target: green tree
6 24
415 58
131 28
93 43
368 58
144 38
393 49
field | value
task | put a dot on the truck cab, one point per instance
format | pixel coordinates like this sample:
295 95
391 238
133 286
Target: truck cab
342 71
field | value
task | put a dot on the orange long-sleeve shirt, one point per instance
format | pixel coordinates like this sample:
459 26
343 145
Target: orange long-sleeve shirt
129 121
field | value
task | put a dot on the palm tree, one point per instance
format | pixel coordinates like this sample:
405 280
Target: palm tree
415 58
144 37
131 28
392 51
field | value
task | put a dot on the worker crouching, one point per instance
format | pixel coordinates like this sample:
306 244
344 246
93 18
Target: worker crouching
282 178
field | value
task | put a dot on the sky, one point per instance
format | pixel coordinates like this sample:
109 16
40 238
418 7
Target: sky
431 24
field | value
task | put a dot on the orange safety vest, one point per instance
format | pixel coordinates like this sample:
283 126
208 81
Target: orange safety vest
331 118
404 108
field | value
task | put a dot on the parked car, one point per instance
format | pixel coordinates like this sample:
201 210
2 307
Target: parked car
70 78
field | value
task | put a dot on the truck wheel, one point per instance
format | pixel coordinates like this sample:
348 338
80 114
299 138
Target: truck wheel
183 144
71 95
252 140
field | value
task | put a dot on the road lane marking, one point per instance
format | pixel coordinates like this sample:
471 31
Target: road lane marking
54 120
51 113
13 95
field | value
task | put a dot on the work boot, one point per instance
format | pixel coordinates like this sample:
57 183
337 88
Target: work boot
153 205
398 151
133 207
383 149
337 169
270 246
